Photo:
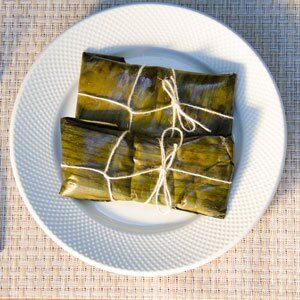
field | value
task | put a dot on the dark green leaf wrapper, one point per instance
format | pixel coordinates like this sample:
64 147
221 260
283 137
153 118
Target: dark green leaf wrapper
210 156
111 77
88 145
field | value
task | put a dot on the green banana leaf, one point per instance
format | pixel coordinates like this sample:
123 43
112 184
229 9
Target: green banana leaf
210 156
88 145
110 77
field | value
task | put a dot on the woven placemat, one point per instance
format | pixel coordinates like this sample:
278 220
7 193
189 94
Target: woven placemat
264 265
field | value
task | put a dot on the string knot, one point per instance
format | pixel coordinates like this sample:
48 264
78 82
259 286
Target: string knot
186 122
166 163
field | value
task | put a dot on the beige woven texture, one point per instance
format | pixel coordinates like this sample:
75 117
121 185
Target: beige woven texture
264 265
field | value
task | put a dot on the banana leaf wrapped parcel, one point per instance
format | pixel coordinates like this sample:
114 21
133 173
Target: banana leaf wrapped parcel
193 174
149 99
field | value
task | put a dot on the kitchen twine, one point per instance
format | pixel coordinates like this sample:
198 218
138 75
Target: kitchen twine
170 87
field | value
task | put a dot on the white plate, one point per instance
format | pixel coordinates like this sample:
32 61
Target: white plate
129 238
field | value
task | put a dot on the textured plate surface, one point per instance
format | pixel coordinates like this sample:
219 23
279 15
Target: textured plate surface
134 239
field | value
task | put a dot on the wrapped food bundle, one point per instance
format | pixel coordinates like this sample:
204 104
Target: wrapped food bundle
150 134
148 100
101 163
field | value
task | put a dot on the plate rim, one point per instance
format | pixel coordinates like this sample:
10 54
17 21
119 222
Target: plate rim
84 258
